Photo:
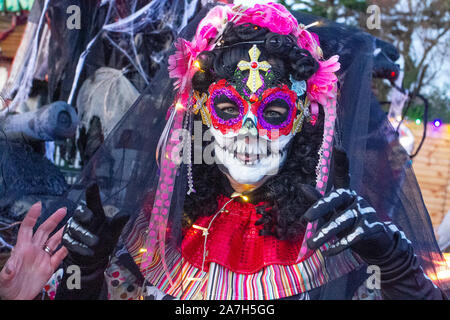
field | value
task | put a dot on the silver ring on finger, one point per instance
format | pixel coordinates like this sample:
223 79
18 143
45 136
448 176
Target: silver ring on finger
48 250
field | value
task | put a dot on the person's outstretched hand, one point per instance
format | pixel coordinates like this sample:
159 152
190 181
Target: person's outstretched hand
30 266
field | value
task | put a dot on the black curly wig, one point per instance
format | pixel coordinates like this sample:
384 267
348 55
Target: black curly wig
283 194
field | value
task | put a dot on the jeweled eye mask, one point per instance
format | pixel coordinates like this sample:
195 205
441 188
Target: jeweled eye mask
259 112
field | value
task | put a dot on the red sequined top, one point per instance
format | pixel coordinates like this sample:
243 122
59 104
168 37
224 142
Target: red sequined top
233 241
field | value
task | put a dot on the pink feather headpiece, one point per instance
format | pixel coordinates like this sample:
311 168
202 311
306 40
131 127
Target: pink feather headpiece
321 87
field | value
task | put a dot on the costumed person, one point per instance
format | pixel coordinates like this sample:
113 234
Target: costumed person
251 194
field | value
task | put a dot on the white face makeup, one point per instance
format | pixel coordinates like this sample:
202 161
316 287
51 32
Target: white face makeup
252 120
248 158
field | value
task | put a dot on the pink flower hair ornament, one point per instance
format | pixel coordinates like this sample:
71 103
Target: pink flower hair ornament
321 87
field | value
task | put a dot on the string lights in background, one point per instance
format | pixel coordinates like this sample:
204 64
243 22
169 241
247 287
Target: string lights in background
436 122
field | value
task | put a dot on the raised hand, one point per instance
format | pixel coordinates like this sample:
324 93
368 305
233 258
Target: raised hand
33 259
346 220
89 235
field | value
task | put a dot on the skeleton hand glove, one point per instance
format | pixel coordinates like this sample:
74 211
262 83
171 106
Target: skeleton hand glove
346 220
89 235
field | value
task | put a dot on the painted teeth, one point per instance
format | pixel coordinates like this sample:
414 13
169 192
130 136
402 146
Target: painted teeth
262 149
250 150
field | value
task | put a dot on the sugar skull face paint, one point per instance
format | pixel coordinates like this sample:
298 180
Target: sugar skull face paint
252 118
249 158
251 137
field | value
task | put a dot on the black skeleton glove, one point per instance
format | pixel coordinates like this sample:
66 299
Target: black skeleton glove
346 220
90 237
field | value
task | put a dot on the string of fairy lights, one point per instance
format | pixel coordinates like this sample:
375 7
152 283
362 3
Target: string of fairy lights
436 122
